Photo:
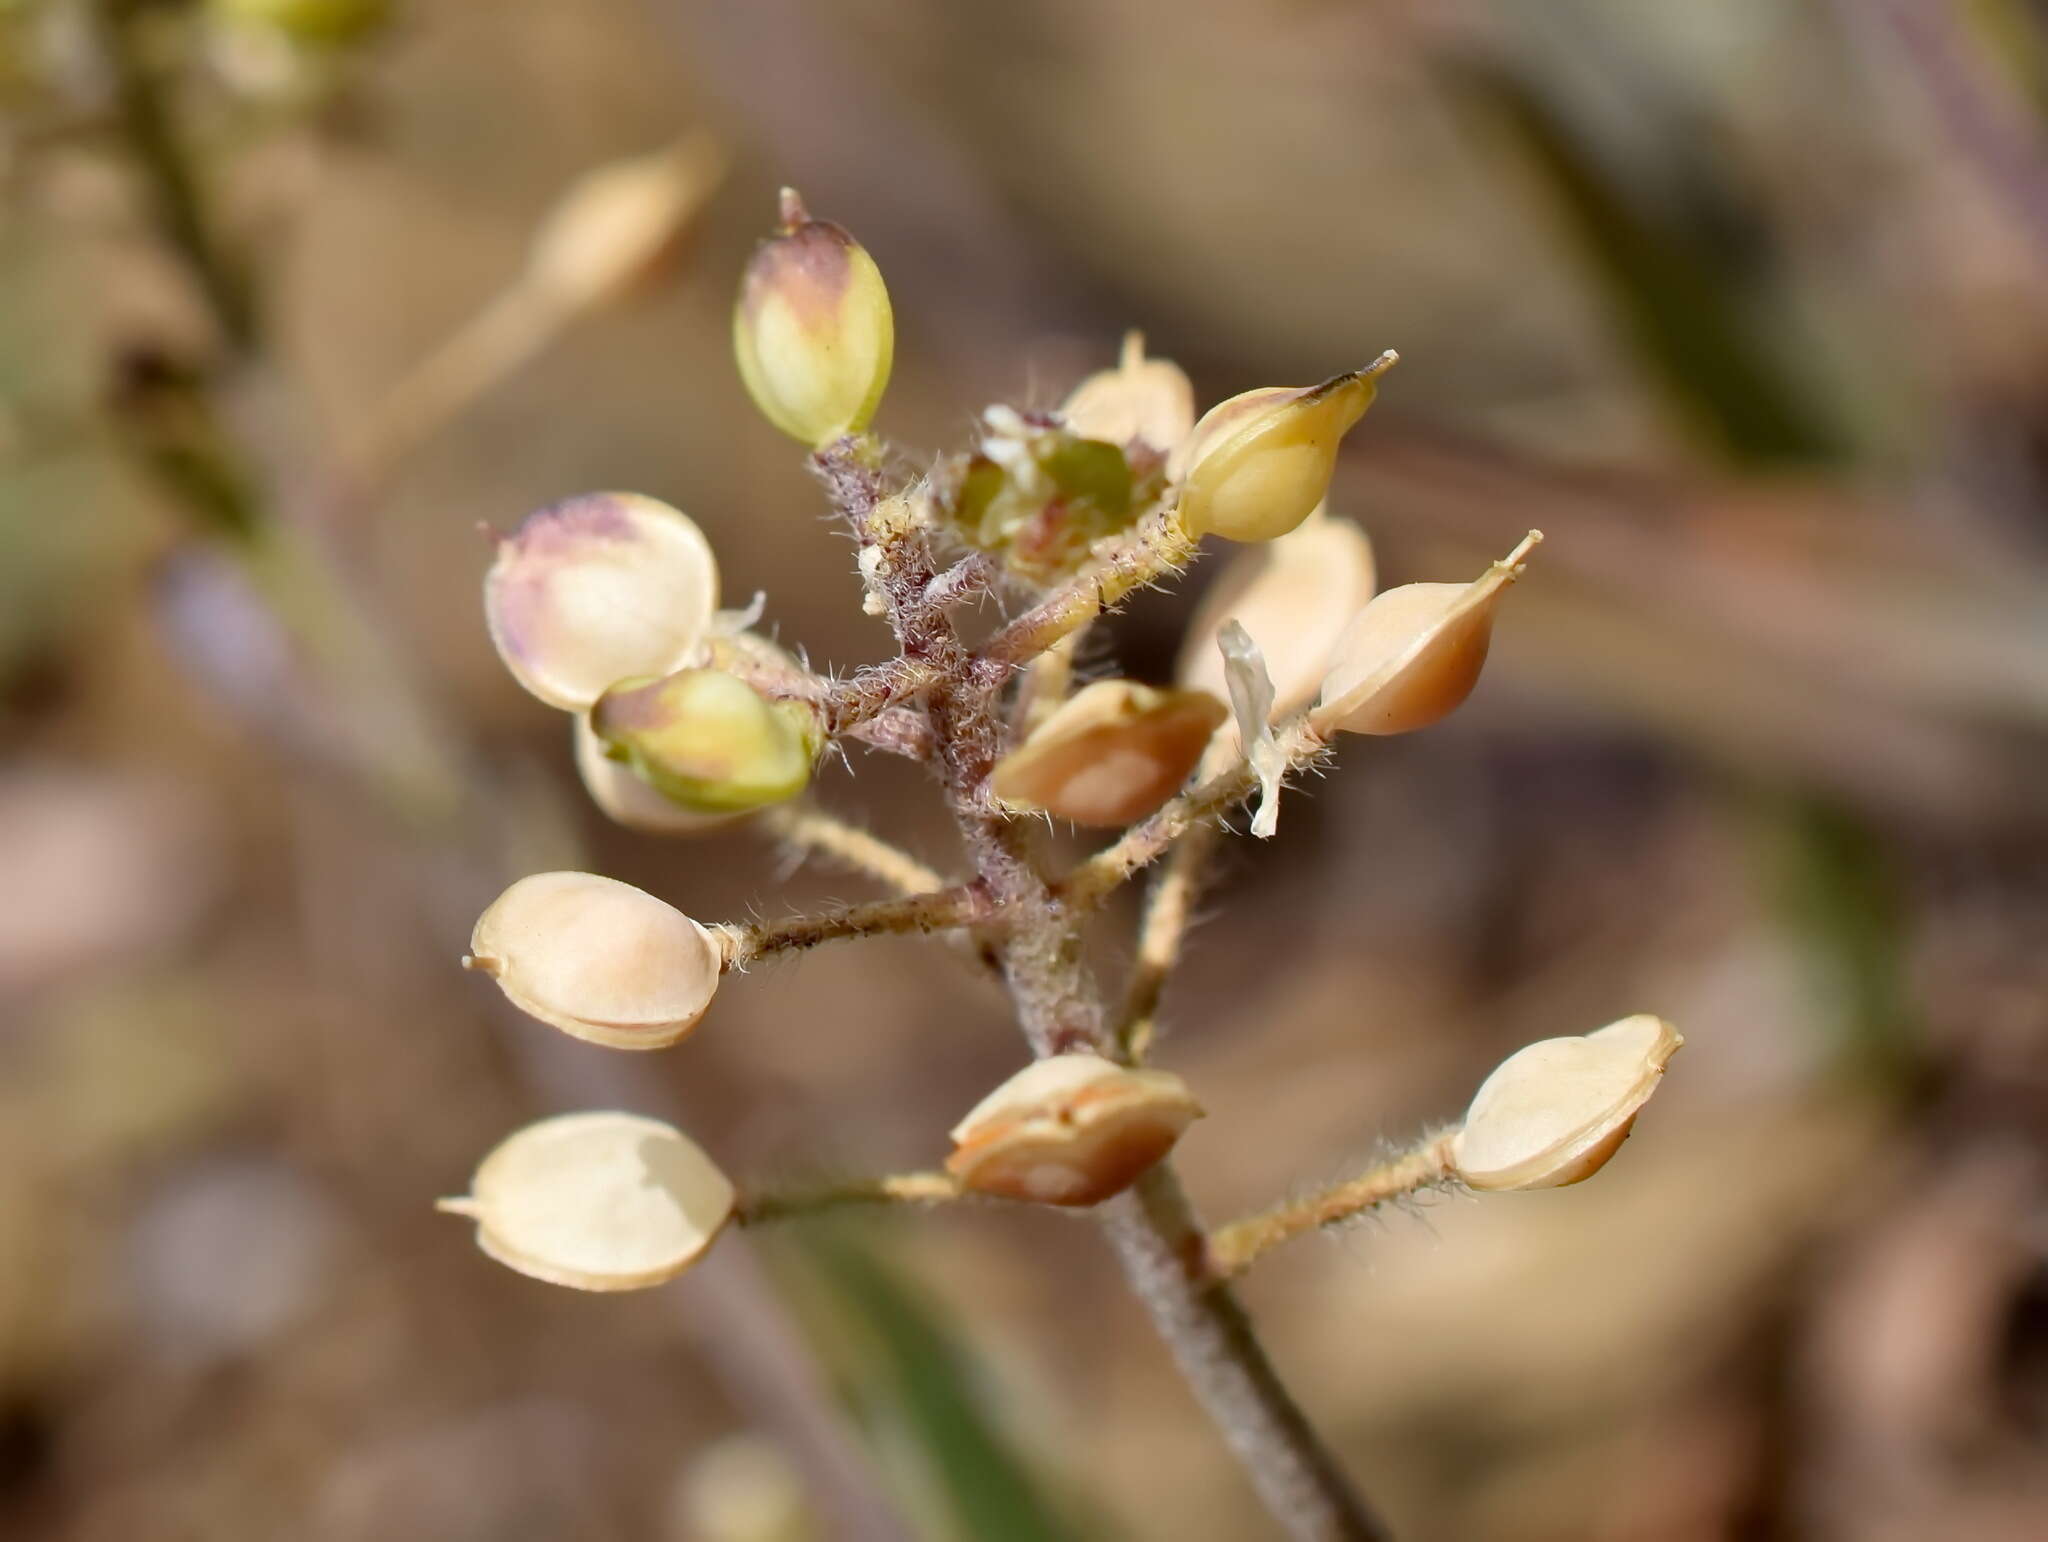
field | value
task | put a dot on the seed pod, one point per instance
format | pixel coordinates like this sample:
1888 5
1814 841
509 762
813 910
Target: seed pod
1070 1130
595 589
1553 1113
1414 653
627 797
1146 401
813 332
708 741
1295 596
598 959
615 228
598 1201
1257 465
1111 754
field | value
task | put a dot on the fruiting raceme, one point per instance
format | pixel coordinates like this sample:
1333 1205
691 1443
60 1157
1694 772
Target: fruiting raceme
1070 1130
1554 1112
627 798
598 959
1111 754
598 588
1143 401
813 332
1414 653
1257 465
708 741
597 1201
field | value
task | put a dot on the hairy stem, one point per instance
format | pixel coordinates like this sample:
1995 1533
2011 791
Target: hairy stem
921 1188
813 830
963 905
1156 547
1169 910
1236 1247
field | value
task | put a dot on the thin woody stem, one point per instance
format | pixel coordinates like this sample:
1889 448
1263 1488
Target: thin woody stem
918 1188
1169 910
1156 547
962 905
813 830
1234 1248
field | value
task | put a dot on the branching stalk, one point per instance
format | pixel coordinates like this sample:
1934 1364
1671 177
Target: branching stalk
1234 1248
962 905
1169 911
813 830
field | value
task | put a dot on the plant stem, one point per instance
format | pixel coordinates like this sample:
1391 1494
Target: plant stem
1169 910
938 911
813 830
888 1189
1234 1248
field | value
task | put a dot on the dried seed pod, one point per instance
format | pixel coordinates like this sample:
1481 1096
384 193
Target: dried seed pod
1146 401
1257 465
597 1201
598 959
813 331
1414 653
597 588
708 741
617 225
1070 1130
1111 754
1553 1113
1295 596
628 798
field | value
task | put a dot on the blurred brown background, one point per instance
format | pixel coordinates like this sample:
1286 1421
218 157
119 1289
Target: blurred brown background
1744 303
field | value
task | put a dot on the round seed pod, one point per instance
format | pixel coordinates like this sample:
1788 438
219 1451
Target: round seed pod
594 589
1111 753
1146 401
628 798
598 959
1413 654
1070 1130
1295 596
709 741
597 1201
1553 1113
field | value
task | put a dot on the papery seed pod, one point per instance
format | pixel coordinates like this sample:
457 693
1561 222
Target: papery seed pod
627 798
1554 1112
1257 465
708 741
813 332
616 226
1146 401
1111 754
598 959
597 1201
1414 653
598 588
1295 596
1070 1130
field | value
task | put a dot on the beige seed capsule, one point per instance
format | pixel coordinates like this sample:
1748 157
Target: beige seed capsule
598 959
1414 653
597 588
1553 1113
1111 754
1146 401
1070 1130
615 228
597 1201
628 798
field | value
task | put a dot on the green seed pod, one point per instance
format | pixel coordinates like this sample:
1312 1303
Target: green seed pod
628 798
813 332
1111 754
708 741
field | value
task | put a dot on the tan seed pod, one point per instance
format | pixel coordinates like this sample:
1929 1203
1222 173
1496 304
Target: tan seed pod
598 959
597 1201
627 798
1414 653
1149 401
1111 754
1070 1130
615 227
596 589
1554 1112
1295 596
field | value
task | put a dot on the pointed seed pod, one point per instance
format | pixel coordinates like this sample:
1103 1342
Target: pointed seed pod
1070 1130
614 229
1111 754
813 332
1295 596
598 959
1257 465
1553 1113
1146 401
708 741
626 797
595 589
597 1201
1414 653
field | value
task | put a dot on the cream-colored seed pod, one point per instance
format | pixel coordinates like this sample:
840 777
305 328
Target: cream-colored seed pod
598 959
598 588
1111 754
615 226
1295 596
1070 1130
1553 1113
1414 653
1149 401
627 798
597 1201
